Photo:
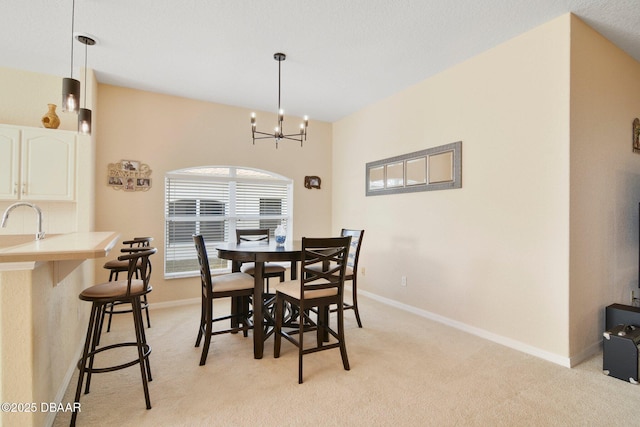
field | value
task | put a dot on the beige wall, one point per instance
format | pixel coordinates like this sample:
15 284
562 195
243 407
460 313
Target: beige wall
605 182
170 133
491 257
544 233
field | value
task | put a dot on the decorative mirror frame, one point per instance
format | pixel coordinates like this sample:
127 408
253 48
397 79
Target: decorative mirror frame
437 168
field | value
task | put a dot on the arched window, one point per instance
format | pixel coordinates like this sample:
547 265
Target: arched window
214 201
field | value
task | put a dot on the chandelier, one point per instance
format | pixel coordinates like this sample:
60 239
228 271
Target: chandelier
278 132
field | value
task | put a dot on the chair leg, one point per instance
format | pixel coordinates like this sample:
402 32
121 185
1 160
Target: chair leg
143 340
146 309
110 307
243 315
300 346
95 313
140 338
354 298
343 347
277 340
202 321
101 320
235 309
94 342
208 325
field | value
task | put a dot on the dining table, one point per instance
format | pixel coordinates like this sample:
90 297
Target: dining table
259 253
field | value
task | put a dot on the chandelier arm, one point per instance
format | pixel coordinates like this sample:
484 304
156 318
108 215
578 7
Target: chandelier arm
289 137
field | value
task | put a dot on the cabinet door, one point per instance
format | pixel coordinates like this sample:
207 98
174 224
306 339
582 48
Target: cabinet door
9 163
48 165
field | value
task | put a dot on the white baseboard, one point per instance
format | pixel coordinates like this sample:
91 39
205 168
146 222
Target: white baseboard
508 342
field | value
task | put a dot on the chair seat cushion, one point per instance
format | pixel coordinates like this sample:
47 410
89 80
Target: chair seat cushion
348 271
113 290
232 282
292 288
269 268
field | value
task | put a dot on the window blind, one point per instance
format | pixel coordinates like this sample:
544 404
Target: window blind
214 204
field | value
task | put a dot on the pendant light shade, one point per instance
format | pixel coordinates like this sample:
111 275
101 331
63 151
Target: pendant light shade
84 121
84 115
70 95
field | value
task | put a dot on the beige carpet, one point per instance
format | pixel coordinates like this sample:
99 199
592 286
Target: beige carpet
405 371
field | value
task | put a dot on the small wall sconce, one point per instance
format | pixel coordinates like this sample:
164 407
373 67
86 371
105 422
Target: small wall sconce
312 182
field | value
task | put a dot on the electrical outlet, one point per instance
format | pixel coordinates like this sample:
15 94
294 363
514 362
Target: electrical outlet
633 297
403 281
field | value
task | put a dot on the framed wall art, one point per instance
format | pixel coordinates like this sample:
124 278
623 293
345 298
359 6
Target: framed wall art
129 175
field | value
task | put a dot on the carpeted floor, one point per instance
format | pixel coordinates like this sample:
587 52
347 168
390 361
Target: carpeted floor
405 371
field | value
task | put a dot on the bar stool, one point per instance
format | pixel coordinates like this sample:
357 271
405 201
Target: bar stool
125 291
116 266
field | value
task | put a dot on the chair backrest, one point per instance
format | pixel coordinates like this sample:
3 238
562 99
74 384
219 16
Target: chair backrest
354 249
139 262
203 261
317 252
138 242
252 235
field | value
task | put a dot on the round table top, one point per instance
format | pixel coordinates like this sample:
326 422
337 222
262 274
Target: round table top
260 251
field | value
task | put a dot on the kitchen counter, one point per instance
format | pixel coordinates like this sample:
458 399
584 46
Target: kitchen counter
42 320
60 247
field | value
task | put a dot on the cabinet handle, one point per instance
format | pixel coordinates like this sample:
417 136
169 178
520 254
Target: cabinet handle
24 189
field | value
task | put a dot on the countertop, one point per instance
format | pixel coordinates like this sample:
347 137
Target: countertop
60 247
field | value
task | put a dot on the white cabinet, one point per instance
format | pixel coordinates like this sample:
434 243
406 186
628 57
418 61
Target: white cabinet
37 164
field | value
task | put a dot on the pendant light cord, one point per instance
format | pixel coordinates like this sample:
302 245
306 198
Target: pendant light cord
279 67
73 11
85 74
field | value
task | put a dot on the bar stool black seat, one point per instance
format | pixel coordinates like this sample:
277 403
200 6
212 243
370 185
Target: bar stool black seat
128 291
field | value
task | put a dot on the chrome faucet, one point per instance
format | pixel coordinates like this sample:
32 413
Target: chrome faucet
5 216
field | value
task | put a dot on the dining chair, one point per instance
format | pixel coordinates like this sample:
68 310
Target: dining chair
270 269
239 286
315 291
127 291
116 267
351 273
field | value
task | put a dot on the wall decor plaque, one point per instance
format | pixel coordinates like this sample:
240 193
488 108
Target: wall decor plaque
129 175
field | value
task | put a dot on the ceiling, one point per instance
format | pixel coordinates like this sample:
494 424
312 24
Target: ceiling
341 54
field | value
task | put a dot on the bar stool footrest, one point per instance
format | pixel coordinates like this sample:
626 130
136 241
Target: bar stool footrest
146 352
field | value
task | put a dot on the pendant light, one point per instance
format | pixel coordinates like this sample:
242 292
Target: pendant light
278 133
84 115
71 86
